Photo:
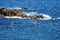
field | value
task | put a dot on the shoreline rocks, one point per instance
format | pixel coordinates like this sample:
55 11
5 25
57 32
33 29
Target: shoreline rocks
14 12
10 12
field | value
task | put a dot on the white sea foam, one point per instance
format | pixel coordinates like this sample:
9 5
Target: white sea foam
53 18
14 17
15 8
47 17
31 13
58 17
20 8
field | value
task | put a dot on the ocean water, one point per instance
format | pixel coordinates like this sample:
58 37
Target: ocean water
23 29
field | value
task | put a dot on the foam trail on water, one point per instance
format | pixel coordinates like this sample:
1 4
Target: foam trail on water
53 18
58 17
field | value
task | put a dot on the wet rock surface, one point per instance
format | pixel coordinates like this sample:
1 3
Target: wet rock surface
10 12
14 12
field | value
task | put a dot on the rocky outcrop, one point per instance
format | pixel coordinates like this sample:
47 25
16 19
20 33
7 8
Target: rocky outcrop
10 12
